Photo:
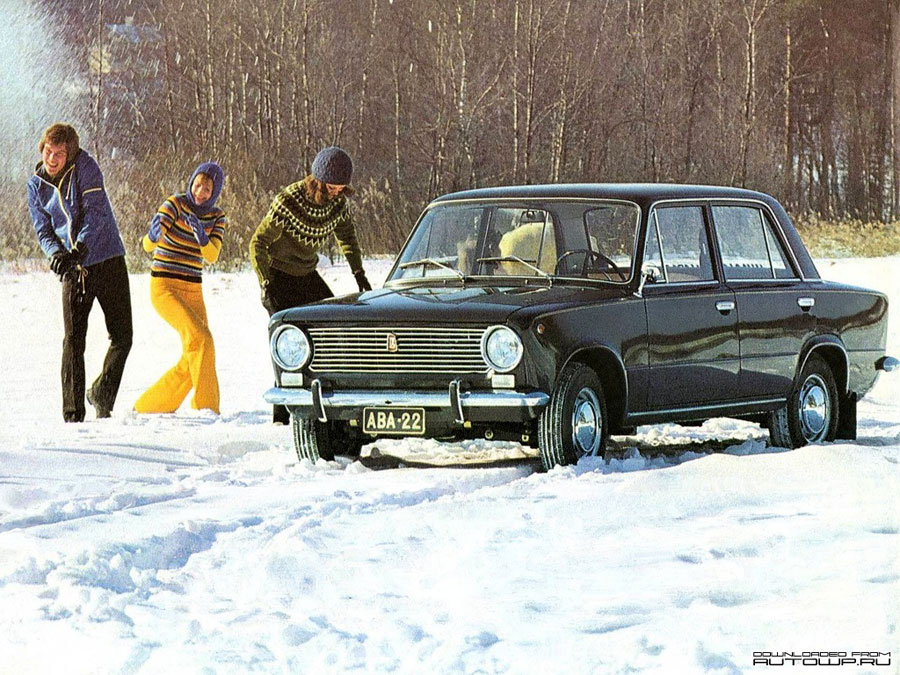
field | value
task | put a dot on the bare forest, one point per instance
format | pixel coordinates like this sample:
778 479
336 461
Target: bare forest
793 97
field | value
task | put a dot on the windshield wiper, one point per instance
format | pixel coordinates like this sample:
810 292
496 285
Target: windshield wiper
516 259
432 261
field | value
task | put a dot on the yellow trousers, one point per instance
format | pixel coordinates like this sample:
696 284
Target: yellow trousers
180 303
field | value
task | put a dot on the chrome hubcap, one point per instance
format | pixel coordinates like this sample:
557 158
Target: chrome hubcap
815 409
587 423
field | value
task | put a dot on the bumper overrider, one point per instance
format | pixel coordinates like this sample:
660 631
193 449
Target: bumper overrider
455 404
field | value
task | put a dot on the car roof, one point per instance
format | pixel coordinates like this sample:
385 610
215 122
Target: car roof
642 193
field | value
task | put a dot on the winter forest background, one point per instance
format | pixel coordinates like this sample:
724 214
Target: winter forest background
793 97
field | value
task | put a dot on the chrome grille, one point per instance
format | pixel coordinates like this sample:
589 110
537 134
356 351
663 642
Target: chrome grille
418 350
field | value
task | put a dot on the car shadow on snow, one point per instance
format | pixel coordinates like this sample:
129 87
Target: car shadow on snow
380 460
623 454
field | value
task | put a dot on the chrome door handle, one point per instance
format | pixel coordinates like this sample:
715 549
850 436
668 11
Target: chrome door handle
806 303
725 306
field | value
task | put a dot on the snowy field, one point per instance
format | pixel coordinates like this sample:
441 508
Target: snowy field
190 543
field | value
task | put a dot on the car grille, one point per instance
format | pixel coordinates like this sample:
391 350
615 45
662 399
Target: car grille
397 350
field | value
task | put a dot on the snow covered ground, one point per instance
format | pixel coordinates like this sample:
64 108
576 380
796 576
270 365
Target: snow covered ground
189 543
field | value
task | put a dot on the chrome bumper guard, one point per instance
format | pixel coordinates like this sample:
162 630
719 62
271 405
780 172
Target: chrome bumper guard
455 401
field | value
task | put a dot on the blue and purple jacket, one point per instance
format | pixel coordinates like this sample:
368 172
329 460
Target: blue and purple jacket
76 208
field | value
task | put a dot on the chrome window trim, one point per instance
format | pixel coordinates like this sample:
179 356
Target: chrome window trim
769 281
762 222
659 243
710 283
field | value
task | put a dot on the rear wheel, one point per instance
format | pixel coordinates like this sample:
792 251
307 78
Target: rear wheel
574 424
811 412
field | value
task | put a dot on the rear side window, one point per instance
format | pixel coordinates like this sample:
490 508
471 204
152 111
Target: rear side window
750 249
678 245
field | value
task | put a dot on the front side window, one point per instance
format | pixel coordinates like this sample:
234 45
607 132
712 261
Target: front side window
750 249
678 245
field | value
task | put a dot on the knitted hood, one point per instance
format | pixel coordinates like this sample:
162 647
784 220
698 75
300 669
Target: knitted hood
217 174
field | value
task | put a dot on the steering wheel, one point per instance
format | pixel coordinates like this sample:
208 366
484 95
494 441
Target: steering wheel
592 257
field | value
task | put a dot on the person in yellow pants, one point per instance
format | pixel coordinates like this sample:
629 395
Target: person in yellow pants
187 230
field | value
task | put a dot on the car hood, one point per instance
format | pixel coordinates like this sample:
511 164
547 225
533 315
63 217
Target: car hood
448 304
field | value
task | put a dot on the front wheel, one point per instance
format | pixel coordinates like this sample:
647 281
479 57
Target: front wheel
311 439
314 439
574 424
811 412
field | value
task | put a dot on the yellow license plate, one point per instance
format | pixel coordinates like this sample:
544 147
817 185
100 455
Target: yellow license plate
400 421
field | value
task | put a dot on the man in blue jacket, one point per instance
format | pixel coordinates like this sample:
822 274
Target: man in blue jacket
78 232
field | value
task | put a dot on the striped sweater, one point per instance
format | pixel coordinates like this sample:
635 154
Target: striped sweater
177 254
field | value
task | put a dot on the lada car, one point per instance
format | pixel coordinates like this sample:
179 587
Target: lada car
556 315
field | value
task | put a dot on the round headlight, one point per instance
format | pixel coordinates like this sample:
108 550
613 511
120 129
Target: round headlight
290 347
502 348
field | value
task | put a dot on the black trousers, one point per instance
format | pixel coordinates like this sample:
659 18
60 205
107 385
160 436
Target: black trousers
286 291
108 283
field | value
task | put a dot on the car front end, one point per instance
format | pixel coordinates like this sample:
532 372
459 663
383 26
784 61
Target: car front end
405 380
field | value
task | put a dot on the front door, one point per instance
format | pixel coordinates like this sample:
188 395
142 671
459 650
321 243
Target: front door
694 357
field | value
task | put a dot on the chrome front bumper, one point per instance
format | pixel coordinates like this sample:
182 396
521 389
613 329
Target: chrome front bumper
314 400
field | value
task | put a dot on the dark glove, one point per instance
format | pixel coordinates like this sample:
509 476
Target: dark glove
79 252
361 281
267 300
62 263
199 232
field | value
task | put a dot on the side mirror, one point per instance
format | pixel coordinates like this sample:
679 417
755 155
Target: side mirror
651 273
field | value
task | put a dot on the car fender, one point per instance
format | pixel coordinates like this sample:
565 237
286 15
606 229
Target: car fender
832 349
610 368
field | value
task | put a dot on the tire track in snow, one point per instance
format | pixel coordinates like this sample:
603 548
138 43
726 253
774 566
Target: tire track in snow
60 512
121 573
168 459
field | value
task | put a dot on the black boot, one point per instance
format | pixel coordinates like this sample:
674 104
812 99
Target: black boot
102 411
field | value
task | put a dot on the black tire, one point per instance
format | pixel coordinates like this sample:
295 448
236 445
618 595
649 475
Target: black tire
574 423
314 439
811 412
311 439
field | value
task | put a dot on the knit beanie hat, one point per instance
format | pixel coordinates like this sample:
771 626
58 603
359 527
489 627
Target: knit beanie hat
217 174
333 166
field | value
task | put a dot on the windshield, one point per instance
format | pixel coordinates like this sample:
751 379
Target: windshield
584 240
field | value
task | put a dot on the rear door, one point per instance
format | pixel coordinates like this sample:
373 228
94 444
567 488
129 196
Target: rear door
692 326
775 307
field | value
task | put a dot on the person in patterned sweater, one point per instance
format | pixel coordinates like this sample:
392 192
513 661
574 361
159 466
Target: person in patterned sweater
284 250
187 230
